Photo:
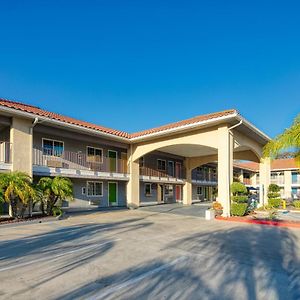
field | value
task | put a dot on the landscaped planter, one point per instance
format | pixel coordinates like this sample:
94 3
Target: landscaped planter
209 214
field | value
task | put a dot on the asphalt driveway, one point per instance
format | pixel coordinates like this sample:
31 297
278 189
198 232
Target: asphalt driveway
143 254
195 210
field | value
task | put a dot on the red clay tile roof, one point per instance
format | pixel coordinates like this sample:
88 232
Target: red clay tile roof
43 113
193 120
280 164
277 164
248 165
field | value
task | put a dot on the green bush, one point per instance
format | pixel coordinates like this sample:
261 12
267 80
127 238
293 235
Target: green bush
274 188
57 211
238 188
239 209
273 195
296 204
239 199
274 202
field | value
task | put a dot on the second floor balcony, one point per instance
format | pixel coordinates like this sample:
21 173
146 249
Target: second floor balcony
68 160
150 173
205 177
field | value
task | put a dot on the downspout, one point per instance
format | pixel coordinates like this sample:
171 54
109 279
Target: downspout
35 121
231 160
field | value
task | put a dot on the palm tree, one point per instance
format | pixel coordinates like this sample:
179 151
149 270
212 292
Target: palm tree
289 139
15 188
54 190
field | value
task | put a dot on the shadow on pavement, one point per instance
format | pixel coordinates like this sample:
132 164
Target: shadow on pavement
254 262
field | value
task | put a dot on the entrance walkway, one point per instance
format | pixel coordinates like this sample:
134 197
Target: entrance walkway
195 210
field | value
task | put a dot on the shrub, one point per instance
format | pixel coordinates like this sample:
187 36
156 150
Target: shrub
274 188
296 204
56 211
238 188
274 202
238 209
239 199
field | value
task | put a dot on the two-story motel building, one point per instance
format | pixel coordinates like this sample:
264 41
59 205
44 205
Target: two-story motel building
183 161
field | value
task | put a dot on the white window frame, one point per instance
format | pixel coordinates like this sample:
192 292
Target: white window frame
166 189
150 194
165 164
52 140
199 186
87 188
83 190
95 148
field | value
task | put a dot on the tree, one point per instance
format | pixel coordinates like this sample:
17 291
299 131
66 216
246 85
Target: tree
16 188
289 139
238 188
54 190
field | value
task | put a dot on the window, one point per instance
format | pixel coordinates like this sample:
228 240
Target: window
168 189
52 147
199 190
83 190
161 165
94 188
171 168
142 162
295 177
94 155
148 191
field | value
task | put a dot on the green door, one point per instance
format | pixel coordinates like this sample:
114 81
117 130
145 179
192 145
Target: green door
112 156
112 193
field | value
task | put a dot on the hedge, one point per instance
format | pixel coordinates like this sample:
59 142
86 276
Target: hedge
274 202
239 199
296 204
239 209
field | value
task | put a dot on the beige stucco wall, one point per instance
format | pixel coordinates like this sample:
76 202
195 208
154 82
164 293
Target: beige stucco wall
287 184
21 139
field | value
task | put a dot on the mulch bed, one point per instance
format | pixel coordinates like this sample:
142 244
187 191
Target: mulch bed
9 220
278 223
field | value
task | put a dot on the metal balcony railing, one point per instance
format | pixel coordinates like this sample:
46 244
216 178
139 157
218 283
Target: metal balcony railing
277 180
205 176
78 161
5 152
145 171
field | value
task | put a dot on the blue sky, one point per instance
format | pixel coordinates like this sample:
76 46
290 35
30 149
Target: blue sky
132 65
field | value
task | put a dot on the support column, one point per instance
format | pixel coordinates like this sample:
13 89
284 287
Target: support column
253 179
241 176
264 180
21 139
225 168
287 184
133 185
187 188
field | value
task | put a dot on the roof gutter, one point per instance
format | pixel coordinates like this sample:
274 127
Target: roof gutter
254 128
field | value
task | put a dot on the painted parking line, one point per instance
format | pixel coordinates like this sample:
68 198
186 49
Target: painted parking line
54 257
125 284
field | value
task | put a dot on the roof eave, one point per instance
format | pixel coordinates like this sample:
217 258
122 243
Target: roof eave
184 127
64 124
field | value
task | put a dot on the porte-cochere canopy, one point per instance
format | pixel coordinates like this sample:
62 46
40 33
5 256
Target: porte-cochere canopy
221 138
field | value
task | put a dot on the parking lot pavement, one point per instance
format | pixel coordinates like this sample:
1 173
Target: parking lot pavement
195 210
148 255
